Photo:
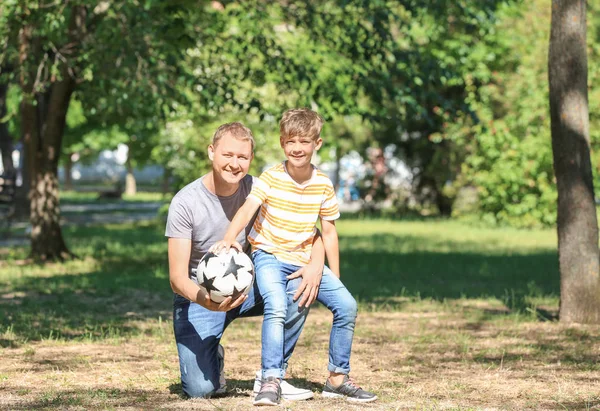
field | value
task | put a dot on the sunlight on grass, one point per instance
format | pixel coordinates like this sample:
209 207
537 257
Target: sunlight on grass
434 266
92 197
442 236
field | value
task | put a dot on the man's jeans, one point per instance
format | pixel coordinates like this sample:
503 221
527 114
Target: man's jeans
271 279
198 332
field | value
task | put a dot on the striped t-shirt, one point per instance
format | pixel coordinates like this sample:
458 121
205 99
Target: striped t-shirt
286 223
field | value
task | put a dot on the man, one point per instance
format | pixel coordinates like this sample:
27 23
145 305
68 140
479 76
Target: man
198 217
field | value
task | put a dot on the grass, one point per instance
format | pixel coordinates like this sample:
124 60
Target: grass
450 317
76 197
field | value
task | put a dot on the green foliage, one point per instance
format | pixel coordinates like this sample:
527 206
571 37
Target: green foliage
406 68
508 149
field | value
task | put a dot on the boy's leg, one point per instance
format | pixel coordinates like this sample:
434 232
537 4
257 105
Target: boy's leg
294 323
272 287
336 297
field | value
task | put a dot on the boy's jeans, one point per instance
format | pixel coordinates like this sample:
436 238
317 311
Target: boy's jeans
198 332
270 277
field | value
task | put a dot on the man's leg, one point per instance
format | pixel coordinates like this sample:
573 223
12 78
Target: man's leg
197 334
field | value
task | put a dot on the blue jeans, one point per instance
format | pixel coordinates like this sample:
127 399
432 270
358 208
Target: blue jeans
198 332
270 277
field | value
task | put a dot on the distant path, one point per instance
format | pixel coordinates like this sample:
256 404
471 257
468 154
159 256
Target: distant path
121 212
91 214
122 205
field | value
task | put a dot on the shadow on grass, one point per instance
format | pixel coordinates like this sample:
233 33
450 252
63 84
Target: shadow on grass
89 399
130 281
385 266
244 388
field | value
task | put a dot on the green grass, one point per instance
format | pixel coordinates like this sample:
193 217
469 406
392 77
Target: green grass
388 265
75 197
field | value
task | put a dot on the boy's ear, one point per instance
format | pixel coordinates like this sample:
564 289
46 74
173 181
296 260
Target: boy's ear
281 141
318 143
211 152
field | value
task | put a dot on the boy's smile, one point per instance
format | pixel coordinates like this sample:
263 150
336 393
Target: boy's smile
299 150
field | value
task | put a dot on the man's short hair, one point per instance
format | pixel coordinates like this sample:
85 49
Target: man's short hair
301 122
236 130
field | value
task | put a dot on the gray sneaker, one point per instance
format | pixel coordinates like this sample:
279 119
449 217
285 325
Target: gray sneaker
270 392
222 382
349 390
288 391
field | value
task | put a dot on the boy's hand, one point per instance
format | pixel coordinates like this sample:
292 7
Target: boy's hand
225 244
309 287
227 304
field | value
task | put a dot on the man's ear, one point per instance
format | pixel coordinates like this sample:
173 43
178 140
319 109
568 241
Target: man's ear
211 152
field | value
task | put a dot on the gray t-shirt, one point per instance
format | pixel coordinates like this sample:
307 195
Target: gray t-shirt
197 214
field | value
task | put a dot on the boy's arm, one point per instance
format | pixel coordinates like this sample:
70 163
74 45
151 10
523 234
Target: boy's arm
179 250
332 248
239 222
311 274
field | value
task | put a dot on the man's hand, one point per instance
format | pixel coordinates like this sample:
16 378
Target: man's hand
227 304
225 244
309 287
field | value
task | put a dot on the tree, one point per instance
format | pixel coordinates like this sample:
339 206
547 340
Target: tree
407 67
120 56
577 223
6 146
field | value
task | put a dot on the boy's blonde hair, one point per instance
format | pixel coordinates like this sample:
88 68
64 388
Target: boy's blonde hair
301 122
237 130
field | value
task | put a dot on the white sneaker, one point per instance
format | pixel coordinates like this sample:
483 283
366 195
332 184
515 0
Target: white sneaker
288 391
222 382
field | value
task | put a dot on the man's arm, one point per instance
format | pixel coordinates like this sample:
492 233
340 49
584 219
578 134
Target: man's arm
311 274
180 250
332 248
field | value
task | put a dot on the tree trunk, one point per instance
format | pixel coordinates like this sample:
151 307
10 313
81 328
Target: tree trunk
130 185
43 119
22 204
166 183
68 170
6 146
577 224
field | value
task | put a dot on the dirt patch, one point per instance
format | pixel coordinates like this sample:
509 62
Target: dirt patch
411 360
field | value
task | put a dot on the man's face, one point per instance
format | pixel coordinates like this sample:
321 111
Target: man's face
231 158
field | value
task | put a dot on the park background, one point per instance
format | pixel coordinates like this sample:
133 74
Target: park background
437 134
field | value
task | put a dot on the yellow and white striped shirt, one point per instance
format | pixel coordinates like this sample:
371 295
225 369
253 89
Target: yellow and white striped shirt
286 222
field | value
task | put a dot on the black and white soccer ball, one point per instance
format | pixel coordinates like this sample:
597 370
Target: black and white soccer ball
226 274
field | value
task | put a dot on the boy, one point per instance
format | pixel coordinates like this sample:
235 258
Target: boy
291 196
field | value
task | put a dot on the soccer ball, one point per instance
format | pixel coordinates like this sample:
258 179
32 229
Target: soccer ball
227 274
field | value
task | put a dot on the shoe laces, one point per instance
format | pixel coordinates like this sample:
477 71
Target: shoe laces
351 383
271 385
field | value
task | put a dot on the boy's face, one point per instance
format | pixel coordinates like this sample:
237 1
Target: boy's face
299 150
231 158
